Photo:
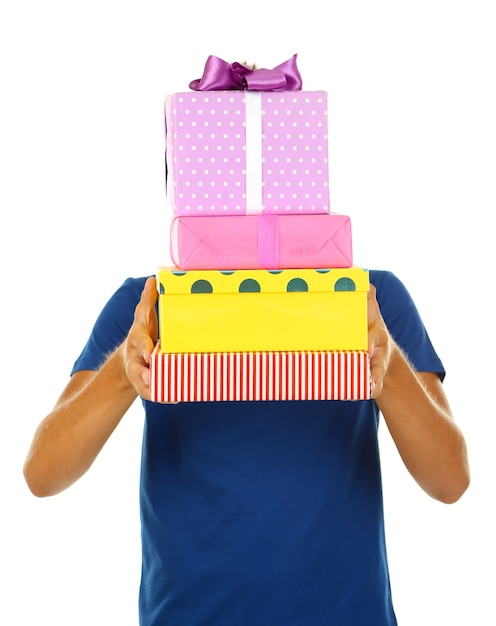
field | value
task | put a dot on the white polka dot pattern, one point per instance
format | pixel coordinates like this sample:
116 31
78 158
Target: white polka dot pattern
206 152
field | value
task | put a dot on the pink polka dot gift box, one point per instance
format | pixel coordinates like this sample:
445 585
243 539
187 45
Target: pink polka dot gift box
247 141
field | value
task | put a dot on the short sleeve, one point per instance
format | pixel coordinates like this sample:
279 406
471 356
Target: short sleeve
404 322
111 326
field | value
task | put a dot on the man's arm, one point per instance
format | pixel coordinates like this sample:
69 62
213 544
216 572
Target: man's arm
69 439
418 415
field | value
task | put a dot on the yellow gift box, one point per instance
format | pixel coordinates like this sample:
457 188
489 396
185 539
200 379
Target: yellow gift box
250 310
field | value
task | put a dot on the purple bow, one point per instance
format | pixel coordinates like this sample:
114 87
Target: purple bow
219 75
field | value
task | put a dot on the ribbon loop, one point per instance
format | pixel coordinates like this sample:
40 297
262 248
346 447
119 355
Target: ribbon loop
219 75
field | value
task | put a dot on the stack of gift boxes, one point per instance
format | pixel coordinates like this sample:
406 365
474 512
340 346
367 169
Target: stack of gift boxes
263 301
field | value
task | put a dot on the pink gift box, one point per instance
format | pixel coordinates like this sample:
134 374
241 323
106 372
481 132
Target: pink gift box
261 241
237 376
242 152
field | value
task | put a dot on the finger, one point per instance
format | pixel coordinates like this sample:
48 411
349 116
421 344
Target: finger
372 306
377 372
150 291
145 327
146 378
147 300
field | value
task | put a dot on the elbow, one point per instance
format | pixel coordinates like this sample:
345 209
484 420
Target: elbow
455 490
37 486
44 481
456 479
457 493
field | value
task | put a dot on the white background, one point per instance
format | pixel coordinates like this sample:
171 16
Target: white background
412 141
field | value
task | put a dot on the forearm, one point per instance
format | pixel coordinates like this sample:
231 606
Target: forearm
68 440
420 422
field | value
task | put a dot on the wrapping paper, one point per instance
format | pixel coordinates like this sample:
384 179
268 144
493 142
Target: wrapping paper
255 376
261 241
247 152
262 310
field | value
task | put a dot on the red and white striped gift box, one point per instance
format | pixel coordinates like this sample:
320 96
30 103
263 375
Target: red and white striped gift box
228 376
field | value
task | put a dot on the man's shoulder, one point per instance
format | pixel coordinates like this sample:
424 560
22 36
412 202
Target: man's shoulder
135 283
381 276
386 281
123 301
132 287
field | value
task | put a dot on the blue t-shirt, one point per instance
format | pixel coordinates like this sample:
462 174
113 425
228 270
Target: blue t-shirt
264 513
